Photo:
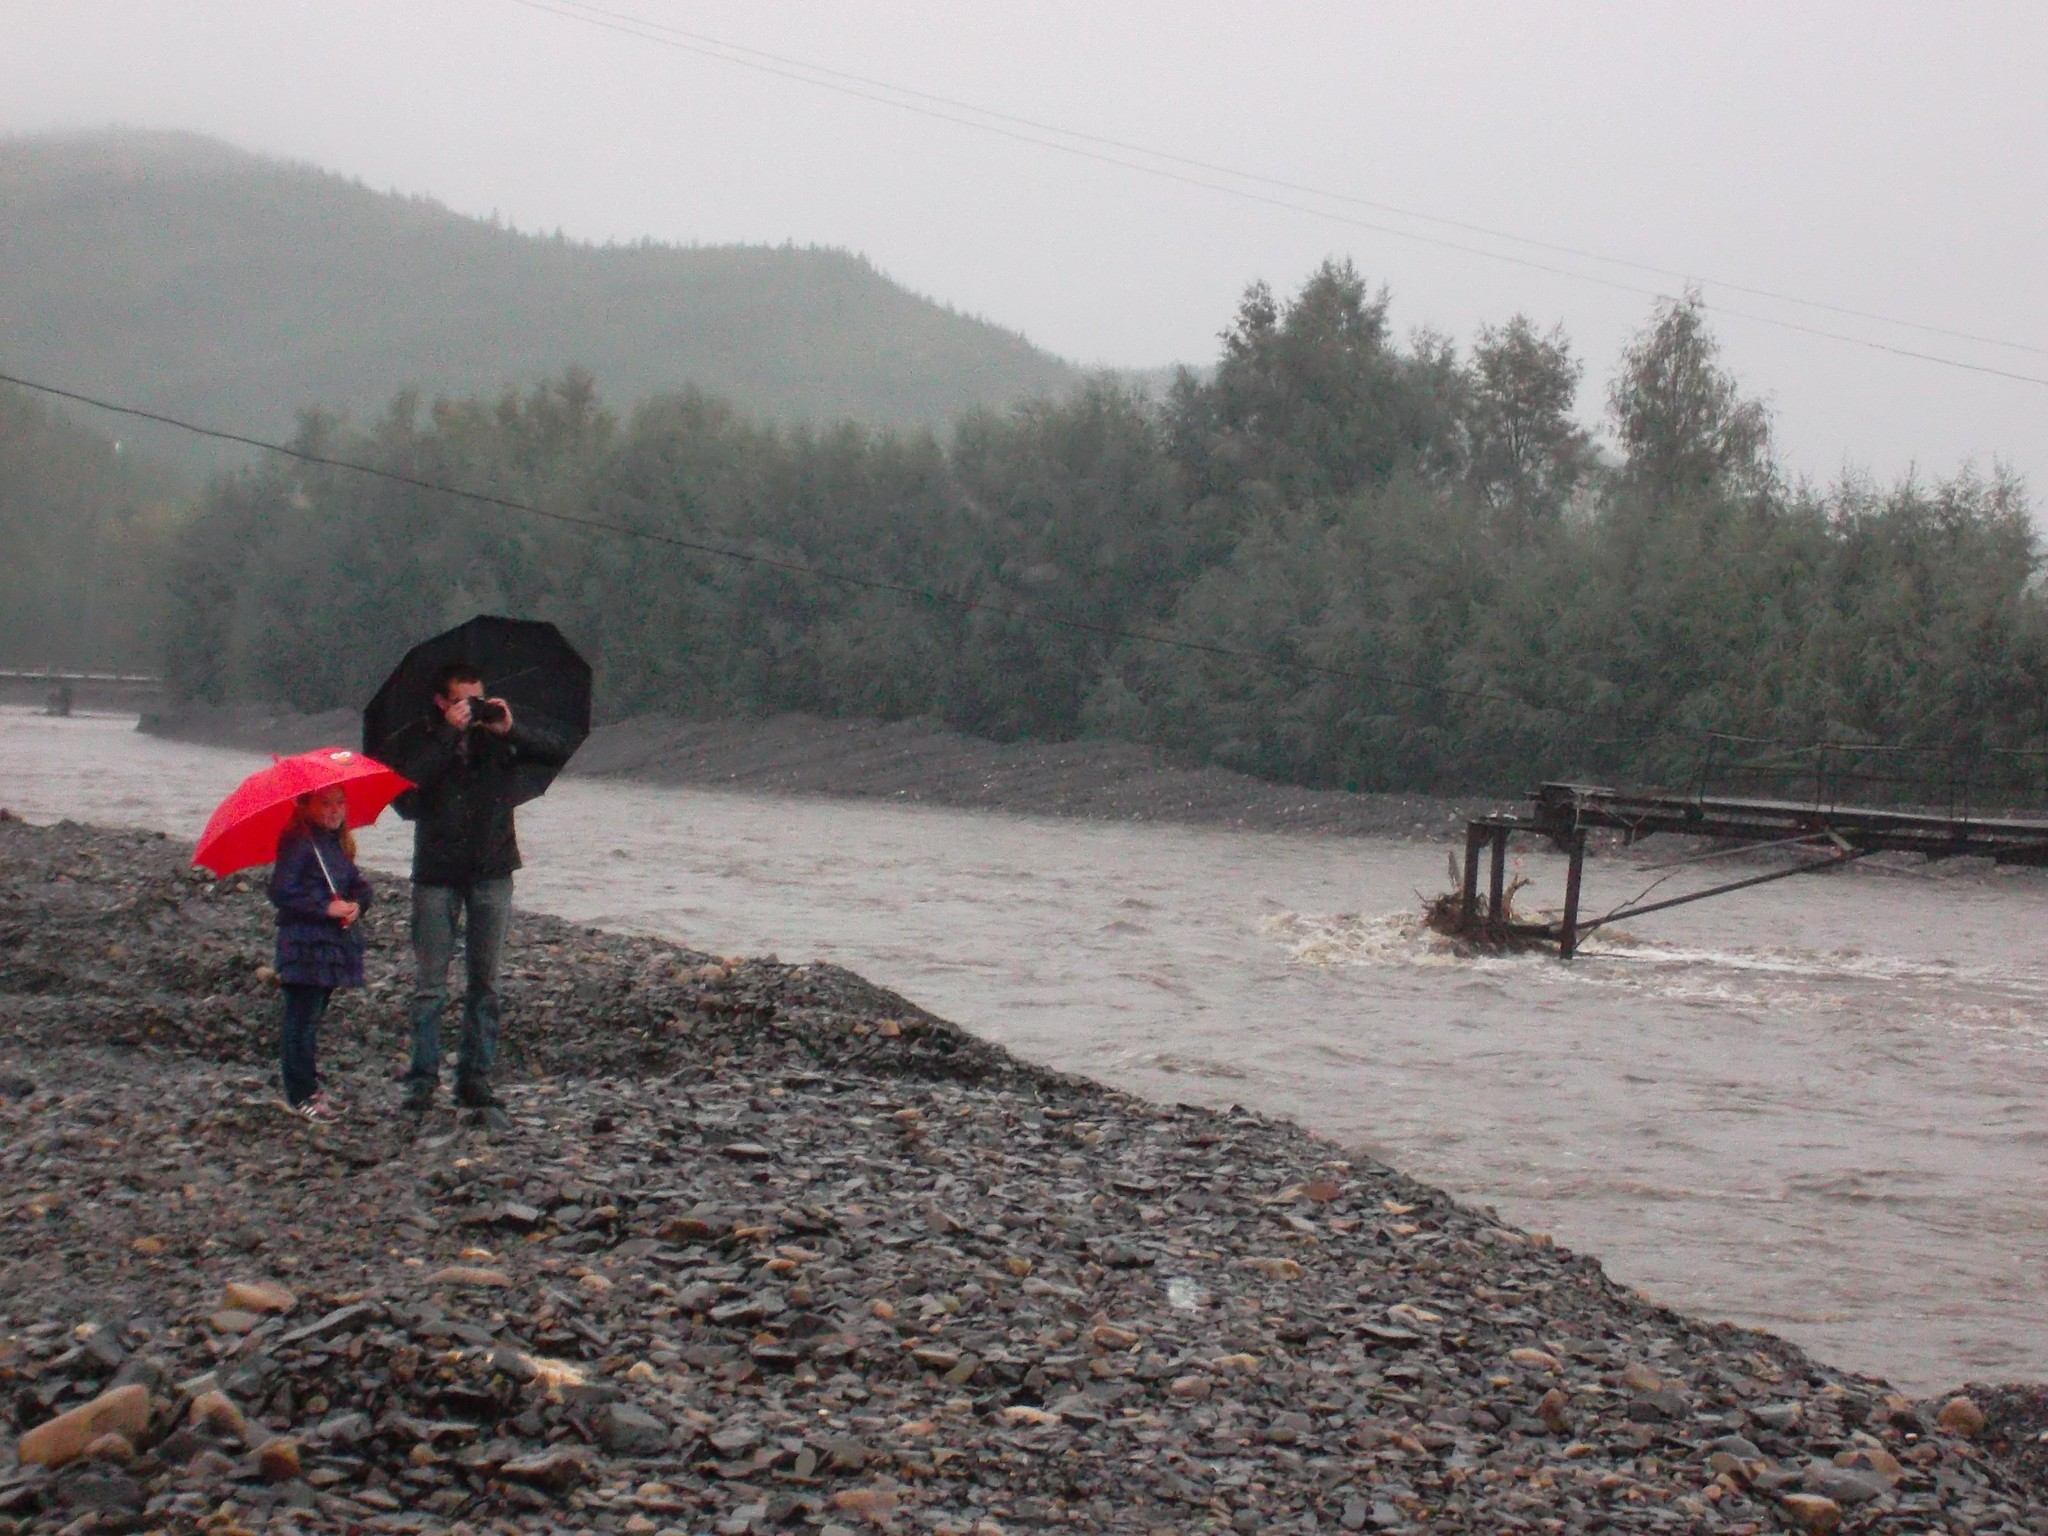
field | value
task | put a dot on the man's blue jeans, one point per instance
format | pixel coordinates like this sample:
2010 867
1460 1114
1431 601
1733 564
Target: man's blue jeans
439 914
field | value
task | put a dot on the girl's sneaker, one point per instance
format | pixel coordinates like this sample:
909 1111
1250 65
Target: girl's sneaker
319 1109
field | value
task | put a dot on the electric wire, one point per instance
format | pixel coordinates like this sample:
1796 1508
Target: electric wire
564 7
819 573
772 64
1654 729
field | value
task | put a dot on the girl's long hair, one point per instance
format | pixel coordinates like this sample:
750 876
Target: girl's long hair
302 825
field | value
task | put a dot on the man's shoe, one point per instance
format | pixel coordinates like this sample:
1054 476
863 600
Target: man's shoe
475 1093
419 1097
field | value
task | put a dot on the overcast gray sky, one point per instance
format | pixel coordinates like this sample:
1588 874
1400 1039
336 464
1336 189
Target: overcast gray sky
1886 158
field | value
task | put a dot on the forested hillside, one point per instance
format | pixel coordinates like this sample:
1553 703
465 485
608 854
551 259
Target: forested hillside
85 526
1396 566
172 271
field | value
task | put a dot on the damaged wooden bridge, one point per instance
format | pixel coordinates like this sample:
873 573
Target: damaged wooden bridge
1834 835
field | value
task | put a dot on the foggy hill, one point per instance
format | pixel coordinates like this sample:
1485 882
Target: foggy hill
178 272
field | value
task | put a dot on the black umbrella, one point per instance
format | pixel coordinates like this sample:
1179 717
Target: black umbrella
525 662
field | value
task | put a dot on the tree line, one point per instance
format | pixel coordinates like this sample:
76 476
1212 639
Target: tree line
85 531
1395 565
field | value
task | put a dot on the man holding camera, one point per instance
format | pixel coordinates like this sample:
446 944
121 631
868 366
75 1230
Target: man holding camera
464 852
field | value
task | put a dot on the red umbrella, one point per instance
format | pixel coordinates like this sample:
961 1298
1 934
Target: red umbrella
243 829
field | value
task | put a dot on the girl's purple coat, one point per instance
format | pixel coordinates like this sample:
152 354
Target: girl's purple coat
313 949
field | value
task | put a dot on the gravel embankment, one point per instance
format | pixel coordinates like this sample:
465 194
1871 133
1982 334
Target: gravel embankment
768 1248
909 762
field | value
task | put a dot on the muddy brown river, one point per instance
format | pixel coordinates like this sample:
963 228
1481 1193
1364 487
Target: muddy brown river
1819 1107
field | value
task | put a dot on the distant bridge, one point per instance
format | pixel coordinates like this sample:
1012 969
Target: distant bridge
58 689
1832 836
48 675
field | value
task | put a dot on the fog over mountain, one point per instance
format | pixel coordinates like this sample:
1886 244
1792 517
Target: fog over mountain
176 272
1814 167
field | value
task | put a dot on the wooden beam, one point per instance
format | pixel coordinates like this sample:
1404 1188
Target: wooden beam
1568 929
1475 838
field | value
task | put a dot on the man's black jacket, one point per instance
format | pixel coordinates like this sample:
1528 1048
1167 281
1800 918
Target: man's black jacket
461 805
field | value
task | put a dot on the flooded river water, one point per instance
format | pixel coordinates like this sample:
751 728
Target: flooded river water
1819 1107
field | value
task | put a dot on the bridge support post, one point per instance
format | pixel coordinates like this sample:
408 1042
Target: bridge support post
1475 838
1496 887
1568 929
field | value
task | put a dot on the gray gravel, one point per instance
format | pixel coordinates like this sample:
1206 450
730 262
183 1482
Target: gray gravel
912 762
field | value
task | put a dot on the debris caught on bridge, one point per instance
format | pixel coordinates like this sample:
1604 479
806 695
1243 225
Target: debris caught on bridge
1829 836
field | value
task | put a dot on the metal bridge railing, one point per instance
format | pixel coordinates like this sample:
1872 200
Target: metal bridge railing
1956 782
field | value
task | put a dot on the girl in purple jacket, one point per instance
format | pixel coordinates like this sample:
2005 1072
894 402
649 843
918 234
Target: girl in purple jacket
319 895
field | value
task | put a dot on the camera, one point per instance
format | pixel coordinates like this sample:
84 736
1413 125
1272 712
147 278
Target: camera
484 712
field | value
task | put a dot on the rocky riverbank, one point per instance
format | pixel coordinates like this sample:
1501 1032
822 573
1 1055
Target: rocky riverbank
768 1248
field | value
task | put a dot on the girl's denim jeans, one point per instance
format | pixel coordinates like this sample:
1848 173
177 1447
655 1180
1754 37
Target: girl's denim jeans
303 1008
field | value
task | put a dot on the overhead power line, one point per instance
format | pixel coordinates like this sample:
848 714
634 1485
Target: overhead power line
1109 151
1654 729
816 573
590 11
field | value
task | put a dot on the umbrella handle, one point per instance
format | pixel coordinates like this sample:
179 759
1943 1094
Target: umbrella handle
324 875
